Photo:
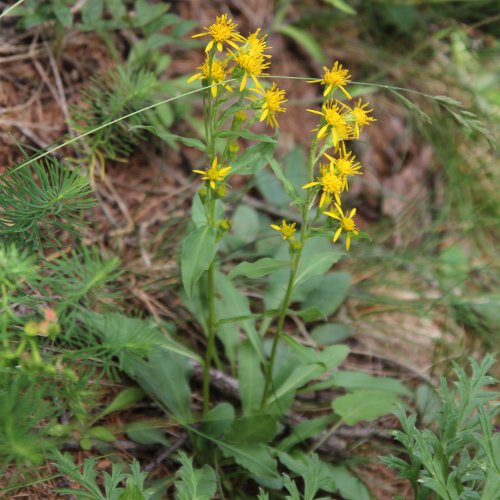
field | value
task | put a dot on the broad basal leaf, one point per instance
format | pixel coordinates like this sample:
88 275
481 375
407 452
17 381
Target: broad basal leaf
364 405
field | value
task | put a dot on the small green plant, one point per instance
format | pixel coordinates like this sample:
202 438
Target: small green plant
117 485
460 457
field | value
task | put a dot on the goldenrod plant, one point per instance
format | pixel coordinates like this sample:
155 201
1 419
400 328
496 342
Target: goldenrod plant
231 107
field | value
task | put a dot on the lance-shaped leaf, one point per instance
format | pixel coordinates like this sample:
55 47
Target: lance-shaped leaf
197 253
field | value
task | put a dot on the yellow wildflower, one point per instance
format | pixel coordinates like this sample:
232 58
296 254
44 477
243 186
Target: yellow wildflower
335 122
331 184
347 224
345 167
272 100
285 229
212 73
334 78
360 117
214 173
222 31
250 58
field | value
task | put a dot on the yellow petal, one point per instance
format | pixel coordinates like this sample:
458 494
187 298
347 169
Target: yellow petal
243 82
219 46
209 45
264 115
322 199
214 163
274 226
213 89
315 112
322 131
199 34
230 42
194 77
311 184
199 172
337 234
348 242
346 93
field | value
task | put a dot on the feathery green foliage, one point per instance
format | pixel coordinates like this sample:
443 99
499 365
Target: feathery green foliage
39 202
460 459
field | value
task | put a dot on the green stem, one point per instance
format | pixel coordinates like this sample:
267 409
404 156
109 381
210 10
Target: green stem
291 280
279 328
212 330
5 317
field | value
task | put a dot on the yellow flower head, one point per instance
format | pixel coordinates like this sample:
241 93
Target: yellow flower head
361 117
222 31
213 73
335 121
272 100
347 224
331 184
334 78
345 166
250 58
285 229
214 173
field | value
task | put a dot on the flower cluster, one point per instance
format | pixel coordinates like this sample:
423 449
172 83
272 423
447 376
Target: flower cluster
230 61
339 123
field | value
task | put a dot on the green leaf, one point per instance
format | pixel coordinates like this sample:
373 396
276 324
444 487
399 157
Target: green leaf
218 420
305 430
261 267
314 472
330 333
125 399
63 14
102 433
117 9
146 12
231 302
194 484
197 253
317 264
342 6
299 377
129 338
258 428
187 141
250 377
363 405
309 314
330 293
304 40
290 190
245 225
254 457
146 433
92 12
165 377
348 484
253 159
272 190
352 380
